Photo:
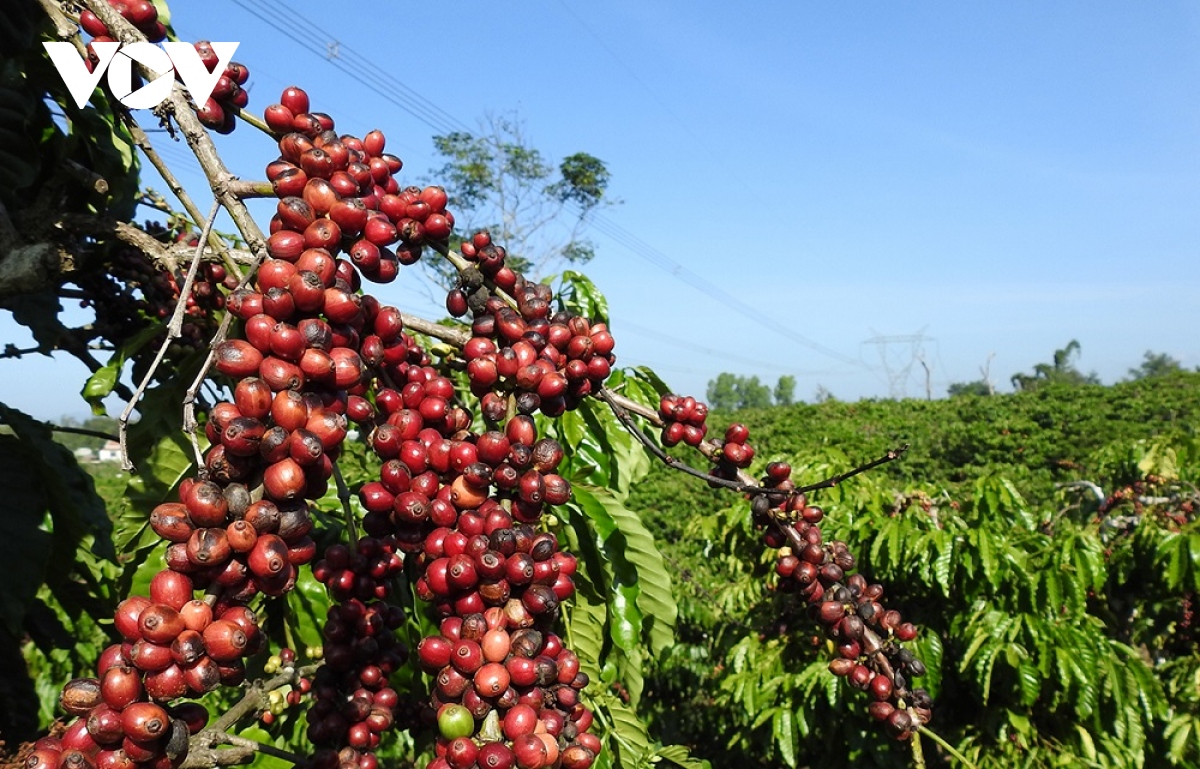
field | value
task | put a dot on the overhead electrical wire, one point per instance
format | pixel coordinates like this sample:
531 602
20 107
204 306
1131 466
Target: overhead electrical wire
299 28
686 344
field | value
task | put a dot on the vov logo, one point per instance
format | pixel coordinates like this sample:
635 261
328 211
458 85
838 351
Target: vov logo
173 57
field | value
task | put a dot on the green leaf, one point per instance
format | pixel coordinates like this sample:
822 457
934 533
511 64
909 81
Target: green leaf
680 756
306 608
1030 681
1178 559
987 557
1086 743
943 562
1159 460
625 538
579 295
637 376
1177 733
101 383
629 734
784 730
585 630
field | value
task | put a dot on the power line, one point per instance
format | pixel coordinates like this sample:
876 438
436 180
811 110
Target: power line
633 75
347 60
681 273
350 62
626 325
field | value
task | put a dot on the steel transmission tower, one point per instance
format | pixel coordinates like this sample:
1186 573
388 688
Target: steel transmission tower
897 355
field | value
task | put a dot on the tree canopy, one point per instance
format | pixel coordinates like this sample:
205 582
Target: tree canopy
1155 364
496 180
730 392
1061 370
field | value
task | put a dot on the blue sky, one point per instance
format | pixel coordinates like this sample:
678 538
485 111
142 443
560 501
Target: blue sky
999 178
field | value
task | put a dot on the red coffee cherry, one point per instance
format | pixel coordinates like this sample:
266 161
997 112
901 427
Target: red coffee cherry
145 721
224 640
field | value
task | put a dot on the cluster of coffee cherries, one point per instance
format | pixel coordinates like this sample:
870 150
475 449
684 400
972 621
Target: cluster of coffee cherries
219 538
546 362
507 694
243 529
219 112
173 645
280 432
340 193
465 505
439 494
430 483
866 634
683 420
127 293
353 704
498 584
140 13
288 695
488 560
113 731
736 451
489 262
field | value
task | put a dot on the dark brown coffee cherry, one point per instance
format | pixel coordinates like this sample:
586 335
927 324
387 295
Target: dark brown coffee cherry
170 521
80 695
208 547
203 675
188 647
899 724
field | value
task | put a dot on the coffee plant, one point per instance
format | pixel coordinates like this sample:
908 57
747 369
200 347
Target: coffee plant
1043 548
357 537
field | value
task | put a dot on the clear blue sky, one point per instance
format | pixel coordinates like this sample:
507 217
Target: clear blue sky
1000 178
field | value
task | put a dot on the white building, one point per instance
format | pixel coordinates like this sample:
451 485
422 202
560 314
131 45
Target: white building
110 452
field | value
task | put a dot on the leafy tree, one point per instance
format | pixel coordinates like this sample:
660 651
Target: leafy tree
722 392
978 387
1061 370
785 390
1156 364
729 392
497 181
